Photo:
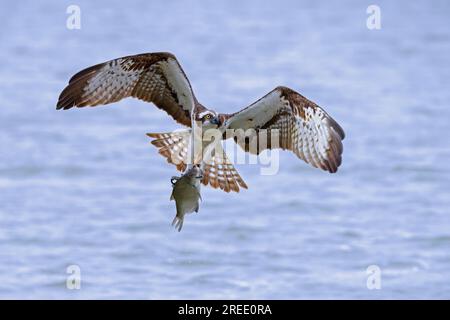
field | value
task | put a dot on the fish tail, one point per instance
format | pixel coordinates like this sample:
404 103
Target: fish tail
178 223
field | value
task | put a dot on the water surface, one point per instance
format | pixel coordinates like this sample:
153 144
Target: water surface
85 187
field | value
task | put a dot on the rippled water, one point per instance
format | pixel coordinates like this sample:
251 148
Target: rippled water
84 187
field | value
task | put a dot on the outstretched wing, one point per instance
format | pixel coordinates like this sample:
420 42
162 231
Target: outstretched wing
297 124
152 77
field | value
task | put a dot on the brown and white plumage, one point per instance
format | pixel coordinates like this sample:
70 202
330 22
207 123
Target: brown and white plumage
218 171
173 146
298 123
152 77
302 127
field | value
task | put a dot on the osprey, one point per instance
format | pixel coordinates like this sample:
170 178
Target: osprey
301 125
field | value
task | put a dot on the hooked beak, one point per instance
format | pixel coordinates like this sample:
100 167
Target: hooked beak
215 121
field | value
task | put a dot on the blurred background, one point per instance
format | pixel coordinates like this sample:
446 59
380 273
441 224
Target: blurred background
84 187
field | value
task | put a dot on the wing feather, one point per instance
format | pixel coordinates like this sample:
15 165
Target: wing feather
152 77
297 123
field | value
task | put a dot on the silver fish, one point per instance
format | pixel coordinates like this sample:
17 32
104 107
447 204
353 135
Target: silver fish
186 193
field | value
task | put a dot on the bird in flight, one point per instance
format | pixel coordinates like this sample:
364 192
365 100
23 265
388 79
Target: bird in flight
301 125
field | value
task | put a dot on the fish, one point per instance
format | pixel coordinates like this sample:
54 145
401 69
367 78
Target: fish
186 193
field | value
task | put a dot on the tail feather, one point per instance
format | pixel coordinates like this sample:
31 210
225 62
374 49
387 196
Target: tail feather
173 146
178 223
218 171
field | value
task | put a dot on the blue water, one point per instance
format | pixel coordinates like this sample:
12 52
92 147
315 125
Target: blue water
84 187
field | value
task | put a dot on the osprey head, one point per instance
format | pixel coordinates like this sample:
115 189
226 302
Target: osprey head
209 119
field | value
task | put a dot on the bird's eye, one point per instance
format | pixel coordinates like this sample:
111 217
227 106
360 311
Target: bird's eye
208 116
